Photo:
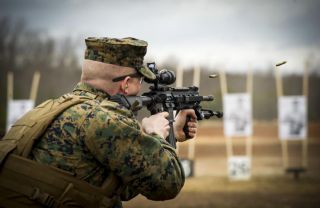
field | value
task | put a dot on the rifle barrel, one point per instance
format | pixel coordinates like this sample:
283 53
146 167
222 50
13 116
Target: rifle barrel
208 98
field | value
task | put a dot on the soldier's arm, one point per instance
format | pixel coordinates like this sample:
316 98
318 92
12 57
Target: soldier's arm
145 163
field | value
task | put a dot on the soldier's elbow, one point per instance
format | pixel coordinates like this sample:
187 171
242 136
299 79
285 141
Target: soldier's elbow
165 191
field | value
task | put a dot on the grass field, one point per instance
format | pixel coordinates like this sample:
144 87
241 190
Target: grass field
259 192
269 185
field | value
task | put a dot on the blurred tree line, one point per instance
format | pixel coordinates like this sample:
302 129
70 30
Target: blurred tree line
23 51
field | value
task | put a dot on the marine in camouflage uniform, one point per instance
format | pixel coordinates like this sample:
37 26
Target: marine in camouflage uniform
97 137
93 138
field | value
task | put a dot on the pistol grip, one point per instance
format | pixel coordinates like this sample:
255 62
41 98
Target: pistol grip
185 128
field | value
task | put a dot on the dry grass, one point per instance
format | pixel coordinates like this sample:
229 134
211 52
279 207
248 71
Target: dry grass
269 186
207 192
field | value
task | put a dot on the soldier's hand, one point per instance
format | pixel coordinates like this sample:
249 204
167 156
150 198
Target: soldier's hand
156 124
180 121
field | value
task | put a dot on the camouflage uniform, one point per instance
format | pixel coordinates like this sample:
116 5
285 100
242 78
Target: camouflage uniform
97 137
93 138
127 52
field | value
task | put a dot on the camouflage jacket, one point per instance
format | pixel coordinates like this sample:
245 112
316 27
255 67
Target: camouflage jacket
99 136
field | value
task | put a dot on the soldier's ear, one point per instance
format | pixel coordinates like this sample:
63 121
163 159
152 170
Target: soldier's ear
125 85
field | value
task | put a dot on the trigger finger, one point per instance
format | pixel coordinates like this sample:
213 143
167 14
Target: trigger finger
193 119
192 124
193 130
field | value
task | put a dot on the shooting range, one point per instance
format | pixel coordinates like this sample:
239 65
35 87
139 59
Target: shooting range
264 152
18 107
292 122
237 108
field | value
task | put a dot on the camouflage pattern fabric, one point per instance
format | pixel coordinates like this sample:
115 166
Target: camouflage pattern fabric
99 136
128 52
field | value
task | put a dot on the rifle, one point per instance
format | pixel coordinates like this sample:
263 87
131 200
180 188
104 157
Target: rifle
162 97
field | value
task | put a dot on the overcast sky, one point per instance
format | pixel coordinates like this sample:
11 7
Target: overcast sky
229 34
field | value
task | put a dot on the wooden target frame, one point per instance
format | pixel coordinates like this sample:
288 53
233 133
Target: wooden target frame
33 90
285 142
249 90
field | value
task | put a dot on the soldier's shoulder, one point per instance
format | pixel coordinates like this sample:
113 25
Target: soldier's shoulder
114 108
109 117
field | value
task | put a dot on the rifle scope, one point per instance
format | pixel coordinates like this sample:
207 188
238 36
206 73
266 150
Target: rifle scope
163 77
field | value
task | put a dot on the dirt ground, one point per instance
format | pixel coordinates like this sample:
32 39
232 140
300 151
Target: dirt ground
208 192
269 186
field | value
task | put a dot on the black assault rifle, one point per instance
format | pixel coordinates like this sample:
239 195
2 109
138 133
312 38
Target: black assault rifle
165 98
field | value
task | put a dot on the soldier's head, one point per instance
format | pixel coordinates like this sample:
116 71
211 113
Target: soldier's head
115 65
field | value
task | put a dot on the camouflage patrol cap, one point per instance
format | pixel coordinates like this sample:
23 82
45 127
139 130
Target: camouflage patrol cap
128 52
